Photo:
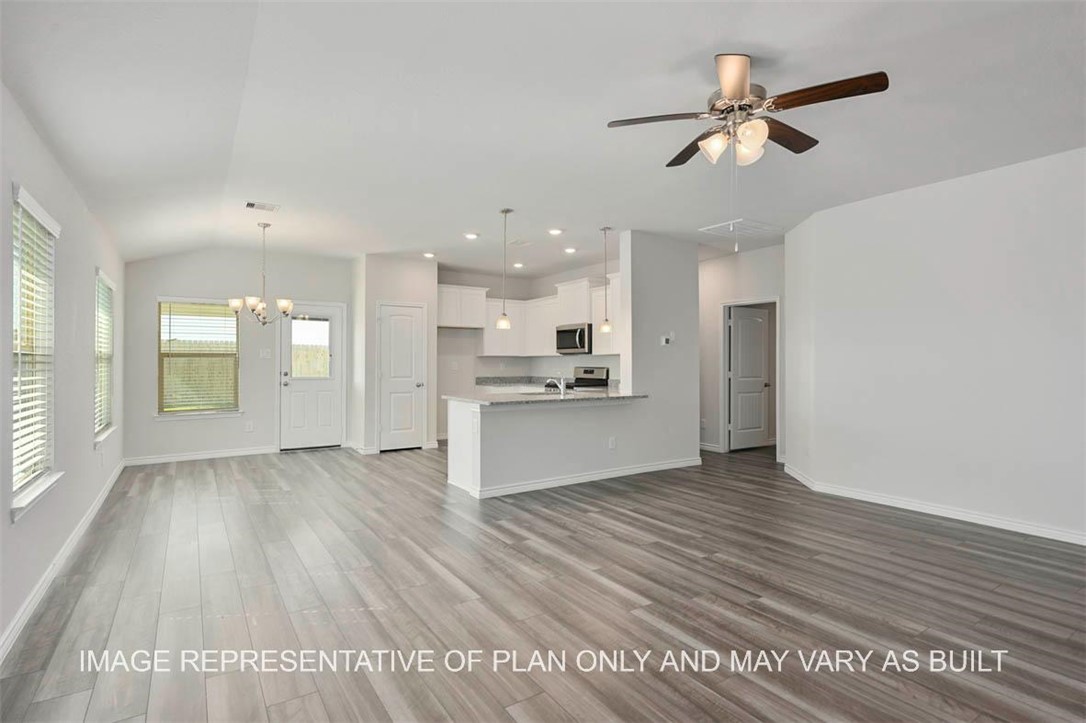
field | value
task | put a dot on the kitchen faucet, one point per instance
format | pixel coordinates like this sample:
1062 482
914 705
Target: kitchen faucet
561 382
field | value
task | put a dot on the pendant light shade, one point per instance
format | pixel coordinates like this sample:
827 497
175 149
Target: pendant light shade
713 146
744 156
503 322
605 327
754 133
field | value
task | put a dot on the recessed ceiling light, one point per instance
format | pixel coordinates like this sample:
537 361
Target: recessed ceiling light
470 236
571 250
555 232
428 255
518 265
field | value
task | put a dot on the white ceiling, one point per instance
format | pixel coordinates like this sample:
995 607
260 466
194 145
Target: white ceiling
383 127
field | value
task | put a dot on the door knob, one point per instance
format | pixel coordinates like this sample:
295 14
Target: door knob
419 384
286 384
765 384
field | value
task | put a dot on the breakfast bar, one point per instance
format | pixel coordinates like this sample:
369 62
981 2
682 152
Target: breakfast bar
504 443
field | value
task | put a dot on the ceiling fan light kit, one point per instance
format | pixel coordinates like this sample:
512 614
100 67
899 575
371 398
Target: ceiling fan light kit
741 110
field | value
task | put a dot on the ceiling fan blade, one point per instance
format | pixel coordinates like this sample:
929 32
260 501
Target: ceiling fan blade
860 85
691 149
785 135
656 119
733 72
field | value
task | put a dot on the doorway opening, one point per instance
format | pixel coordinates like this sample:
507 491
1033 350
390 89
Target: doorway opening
750 399
312 392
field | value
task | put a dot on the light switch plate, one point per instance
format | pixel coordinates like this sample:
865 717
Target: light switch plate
265 353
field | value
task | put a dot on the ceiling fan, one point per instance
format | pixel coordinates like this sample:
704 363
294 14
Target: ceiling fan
740 111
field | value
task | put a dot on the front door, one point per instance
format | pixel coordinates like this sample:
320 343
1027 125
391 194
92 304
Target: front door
749 383
402 370
311 377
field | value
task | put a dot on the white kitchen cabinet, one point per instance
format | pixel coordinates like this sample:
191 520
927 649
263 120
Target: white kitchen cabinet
539 326
461 306
574 305
504 342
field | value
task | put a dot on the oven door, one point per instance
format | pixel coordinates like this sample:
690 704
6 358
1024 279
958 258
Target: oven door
573 339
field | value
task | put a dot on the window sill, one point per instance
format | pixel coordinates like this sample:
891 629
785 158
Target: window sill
103 435
26 497
171 416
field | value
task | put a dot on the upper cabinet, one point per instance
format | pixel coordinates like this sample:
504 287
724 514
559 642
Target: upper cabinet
461 306
574 302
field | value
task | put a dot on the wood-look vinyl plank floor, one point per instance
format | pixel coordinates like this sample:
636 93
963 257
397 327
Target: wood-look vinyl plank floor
333 550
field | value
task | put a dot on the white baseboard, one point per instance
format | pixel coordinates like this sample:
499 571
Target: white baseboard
192 456
710 447
955 513
430 445
542 484
26 610
366 450
442 437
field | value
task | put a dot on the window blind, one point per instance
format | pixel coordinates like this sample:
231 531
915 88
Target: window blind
103 354
197 357
33 249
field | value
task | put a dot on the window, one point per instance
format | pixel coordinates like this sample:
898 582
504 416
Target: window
197 357
34 236
103 354
310 355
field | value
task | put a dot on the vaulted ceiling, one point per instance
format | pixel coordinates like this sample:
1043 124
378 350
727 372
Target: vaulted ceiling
382 127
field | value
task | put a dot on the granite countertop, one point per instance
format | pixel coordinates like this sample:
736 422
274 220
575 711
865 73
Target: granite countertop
541 397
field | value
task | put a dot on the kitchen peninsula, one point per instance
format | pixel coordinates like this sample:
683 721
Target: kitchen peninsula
503 443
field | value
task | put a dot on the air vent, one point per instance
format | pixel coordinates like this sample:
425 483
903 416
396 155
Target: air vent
745 229
261 206
519 242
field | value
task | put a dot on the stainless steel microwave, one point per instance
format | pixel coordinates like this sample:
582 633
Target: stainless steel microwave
573 339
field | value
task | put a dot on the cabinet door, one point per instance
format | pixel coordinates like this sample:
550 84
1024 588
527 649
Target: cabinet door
473 308
448 306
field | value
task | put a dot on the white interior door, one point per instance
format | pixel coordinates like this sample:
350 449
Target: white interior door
311 377
402 376
749 381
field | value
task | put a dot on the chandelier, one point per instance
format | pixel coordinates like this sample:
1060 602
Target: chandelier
257 306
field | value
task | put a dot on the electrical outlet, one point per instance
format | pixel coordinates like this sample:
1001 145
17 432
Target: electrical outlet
248 425
611 443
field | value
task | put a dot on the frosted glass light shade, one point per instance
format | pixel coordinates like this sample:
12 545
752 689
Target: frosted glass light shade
236 304
605 327
262 308
285 305
745 156
503 322
753 133
252 302
713 146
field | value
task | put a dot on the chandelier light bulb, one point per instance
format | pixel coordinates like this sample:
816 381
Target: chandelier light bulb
745 156
713 146
754 133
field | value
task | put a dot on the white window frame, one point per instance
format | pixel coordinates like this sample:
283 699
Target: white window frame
31 490
100 434
160 416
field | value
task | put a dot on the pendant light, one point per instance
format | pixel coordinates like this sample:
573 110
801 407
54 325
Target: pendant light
605 327
257 305
503 321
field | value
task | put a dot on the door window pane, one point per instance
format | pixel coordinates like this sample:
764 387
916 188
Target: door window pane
310 353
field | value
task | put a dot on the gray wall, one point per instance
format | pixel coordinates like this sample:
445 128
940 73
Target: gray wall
216 274
29 547
935 347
